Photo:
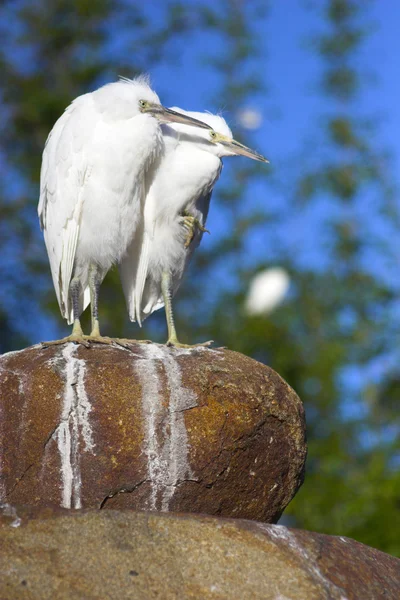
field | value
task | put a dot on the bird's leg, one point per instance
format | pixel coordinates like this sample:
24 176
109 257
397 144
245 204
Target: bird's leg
75 292
166 287
95 281
190 222
94 286
77 334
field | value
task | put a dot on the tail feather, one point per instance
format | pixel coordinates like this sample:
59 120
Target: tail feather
70 240
141 276
128 268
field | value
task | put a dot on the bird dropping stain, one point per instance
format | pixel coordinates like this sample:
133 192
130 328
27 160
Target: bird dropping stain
74 428
285 536
166 453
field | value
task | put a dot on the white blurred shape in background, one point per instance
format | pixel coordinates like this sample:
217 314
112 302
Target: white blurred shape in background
249 118
266 291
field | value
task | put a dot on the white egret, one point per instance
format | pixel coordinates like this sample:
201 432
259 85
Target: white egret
92 188
175 213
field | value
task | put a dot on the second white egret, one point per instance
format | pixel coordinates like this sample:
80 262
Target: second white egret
175 212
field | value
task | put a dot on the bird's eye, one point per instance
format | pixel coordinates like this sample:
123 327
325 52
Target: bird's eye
142 103
213 135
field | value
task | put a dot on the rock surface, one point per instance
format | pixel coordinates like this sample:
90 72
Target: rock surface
154 428
62 554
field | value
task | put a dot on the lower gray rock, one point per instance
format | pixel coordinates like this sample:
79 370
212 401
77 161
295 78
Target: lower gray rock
60 554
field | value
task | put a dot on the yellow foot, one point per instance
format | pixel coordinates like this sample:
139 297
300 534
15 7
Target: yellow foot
99 339
190 223
123 342
76 339
89 340
85 340
176 344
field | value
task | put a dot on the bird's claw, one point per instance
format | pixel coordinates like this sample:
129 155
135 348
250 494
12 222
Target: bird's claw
89 340
99 339
74 339
191 223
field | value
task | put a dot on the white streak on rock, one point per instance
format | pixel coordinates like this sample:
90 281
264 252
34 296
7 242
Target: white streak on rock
177 448
74 422
280 532
151 407
15 352
195 350
168 462
8 355
83 407
10 511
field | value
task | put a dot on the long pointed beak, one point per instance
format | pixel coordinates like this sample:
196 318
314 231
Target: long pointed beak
238 148
166 115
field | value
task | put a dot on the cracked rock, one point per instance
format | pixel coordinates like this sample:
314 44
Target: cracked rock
149 428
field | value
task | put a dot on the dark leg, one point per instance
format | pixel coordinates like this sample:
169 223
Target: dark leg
95 280
75 291
76 336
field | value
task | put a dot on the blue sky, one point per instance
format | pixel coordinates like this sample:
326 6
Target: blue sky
291 71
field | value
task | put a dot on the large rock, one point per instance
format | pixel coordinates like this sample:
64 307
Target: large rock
154 428
123 554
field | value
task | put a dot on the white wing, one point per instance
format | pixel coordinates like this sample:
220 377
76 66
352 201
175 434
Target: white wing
62 181
128 268
143 265
134 265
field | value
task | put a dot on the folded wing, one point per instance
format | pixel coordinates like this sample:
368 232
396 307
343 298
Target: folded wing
65 169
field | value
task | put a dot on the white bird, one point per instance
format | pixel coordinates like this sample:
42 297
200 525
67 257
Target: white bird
92 188
175 213
267 290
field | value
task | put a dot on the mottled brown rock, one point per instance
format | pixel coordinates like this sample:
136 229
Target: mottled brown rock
61 554
155 428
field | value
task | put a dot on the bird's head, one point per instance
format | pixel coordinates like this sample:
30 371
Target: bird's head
128 98
149 103
227 146
167 115
218 140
